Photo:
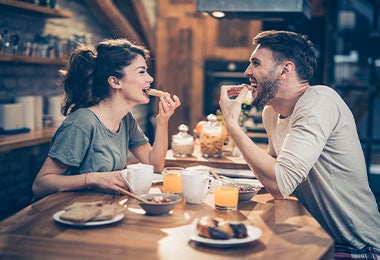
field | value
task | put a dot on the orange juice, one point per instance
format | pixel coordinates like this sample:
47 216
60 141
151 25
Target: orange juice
172 180
226 198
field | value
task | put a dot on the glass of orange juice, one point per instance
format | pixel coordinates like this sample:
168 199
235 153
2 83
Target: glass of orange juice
172 180
226 198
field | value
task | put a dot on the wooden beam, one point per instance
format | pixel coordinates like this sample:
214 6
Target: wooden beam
144 21
114 19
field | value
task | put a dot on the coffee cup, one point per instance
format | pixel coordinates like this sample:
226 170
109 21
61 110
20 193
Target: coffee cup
138 177
195 185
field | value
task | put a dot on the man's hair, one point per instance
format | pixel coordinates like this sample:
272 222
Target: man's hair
292 46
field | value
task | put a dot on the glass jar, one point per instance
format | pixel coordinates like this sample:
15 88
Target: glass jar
182 143
211 139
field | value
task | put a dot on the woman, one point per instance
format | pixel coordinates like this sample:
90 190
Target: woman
90 148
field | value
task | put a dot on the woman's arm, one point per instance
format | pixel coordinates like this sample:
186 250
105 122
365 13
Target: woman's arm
50 179
155 155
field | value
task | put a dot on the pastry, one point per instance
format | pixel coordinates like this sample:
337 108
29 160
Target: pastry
217 228
157 93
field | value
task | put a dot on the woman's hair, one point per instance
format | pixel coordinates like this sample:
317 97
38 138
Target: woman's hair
291 46
85 82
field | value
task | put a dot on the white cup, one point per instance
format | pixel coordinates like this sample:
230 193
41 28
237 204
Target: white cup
195 185
138 177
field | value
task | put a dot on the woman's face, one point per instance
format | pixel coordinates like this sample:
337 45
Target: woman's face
135 80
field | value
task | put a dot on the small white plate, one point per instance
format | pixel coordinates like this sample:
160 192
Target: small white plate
117 218
157 178
254 233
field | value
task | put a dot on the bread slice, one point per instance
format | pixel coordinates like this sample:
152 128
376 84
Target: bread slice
85 204
109 211
80 214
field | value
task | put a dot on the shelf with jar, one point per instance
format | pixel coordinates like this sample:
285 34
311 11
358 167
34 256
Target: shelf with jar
25 7
13 58
49 49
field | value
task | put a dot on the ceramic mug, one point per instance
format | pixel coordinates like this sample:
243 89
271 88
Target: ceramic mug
195 185
138 177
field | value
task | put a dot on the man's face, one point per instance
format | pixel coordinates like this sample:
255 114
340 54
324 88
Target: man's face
263 73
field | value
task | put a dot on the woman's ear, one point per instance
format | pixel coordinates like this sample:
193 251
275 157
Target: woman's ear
114 82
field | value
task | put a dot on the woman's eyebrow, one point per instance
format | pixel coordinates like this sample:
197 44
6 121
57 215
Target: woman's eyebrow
141 67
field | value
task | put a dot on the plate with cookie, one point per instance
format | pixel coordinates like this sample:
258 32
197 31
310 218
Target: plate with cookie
90 214
218 232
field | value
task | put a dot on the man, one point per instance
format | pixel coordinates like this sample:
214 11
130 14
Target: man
314 150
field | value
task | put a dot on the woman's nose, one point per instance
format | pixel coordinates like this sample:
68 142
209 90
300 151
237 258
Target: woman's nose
150 78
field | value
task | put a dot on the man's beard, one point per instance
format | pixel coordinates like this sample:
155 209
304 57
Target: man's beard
269 87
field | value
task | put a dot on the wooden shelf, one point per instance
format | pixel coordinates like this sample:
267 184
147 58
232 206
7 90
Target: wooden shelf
30 60
22 7
36 137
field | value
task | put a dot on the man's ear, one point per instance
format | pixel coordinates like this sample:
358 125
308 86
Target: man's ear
288 67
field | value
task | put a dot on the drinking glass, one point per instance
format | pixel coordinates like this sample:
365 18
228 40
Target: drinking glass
172 180
226 198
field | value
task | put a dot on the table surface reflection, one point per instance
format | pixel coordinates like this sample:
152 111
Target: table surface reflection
289 232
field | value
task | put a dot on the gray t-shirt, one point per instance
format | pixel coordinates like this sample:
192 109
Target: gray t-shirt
320 160
84 144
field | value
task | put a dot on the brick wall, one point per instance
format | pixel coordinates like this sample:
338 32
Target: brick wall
17 172
31 79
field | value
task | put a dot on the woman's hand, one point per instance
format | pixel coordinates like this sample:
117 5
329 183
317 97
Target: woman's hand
105 180
166 108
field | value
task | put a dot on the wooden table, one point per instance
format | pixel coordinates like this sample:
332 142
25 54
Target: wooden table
289 232
226 161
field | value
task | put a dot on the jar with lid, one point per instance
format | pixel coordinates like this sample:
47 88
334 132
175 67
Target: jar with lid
182 143
211 139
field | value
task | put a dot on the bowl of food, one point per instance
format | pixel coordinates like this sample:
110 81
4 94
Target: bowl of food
159 203
247 191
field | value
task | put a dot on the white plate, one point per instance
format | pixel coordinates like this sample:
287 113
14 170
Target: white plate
117 218
157 178
254 233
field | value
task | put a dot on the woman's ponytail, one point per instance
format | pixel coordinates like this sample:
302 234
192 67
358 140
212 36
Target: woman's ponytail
78 80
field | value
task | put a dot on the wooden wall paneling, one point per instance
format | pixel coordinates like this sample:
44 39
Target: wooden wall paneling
185 39
166 64
114 19
175 68
178 71
180 56
170 8
198 59
233 33
144 21
135 13
183 77
217 51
